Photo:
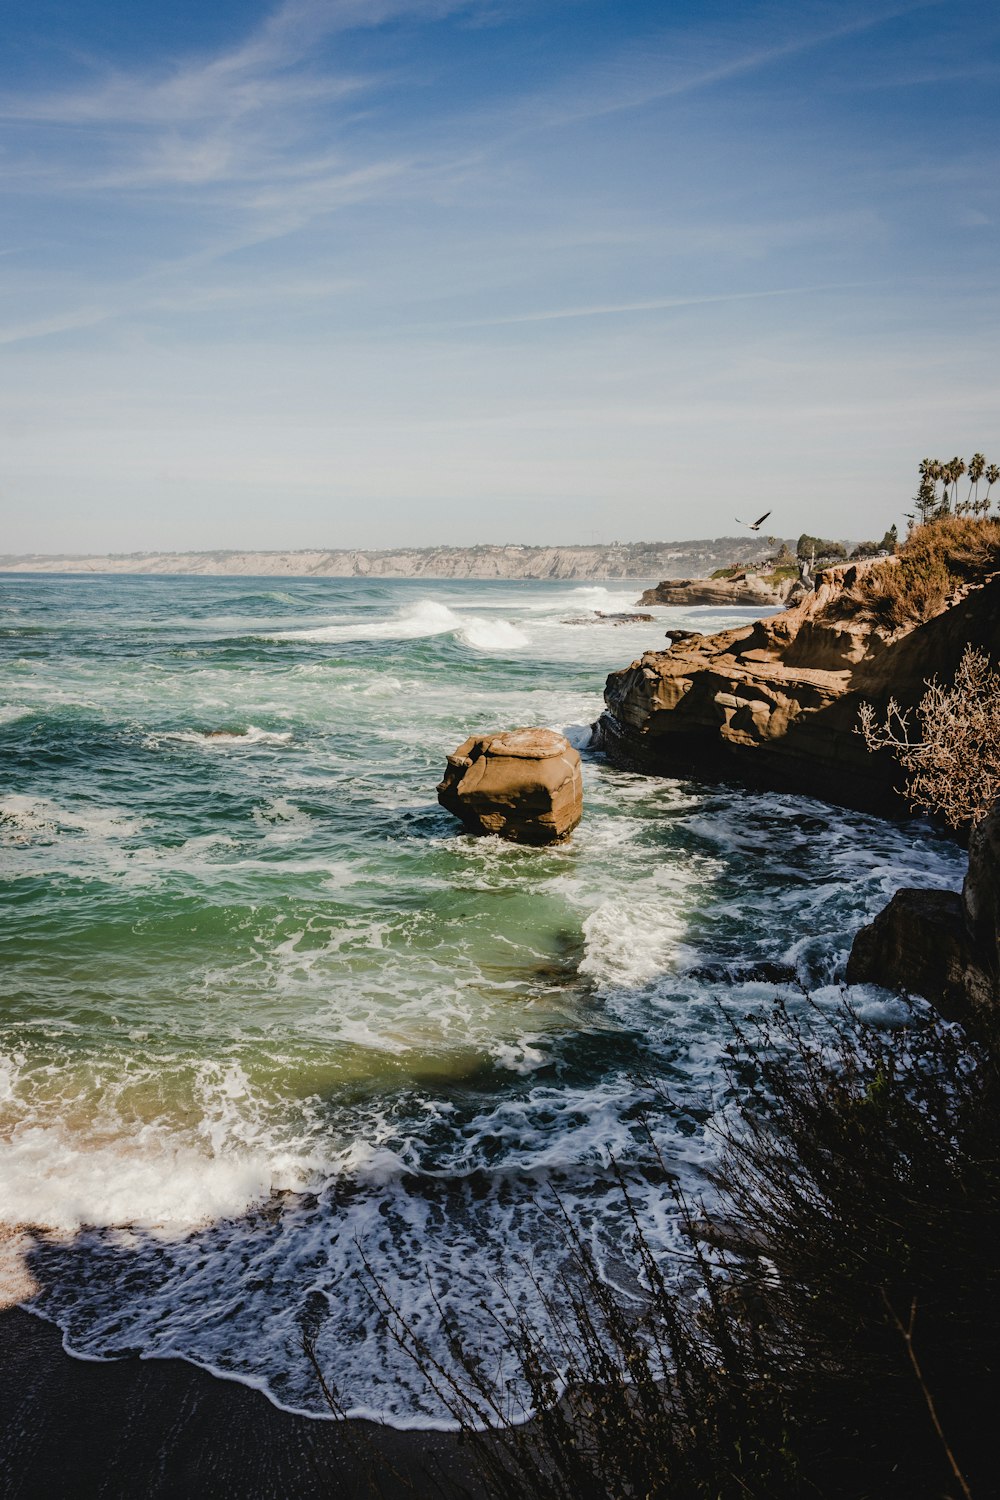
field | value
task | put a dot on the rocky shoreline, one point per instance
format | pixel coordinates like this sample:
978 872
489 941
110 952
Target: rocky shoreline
940 944
775 703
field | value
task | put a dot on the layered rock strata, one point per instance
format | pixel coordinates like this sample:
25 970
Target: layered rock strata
525 785
938 944
776 702
747 588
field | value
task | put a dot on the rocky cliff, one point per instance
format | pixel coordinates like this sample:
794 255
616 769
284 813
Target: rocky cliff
776 702
617 560
748 588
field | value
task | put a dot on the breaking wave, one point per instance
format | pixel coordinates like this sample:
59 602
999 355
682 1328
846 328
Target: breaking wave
417 621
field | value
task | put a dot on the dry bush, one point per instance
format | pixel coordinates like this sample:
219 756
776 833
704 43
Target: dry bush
953 767
931 563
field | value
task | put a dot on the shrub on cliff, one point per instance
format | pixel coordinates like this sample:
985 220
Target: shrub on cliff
932 562
953 763
842 1346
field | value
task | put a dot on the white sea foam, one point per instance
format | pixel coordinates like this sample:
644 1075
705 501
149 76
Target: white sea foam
426 618
23 816
49 1180
220 739
631 942
588 597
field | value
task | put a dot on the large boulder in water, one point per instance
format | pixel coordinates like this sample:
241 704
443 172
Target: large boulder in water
917 943
525 785
938 944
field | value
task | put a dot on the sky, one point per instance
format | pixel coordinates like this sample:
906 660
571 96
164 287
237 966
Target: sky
370 273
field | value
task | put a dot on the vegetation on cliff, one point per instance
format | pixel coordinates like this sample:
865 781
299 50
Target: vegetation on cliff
934 560
952 762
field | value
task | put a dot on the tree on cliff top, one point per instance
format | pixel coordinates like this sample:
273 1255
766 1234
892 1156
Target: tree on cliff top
824 551
930 505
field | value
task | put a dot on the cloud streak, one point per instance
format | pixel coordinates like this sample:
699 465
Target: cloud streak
656 304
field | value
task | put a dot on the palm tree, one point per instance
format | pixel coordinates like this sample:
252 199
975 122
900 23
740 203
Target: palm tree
992 474
977 466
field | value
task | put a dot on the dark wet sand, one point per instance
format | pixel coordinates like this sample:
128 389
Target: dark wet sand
143 1428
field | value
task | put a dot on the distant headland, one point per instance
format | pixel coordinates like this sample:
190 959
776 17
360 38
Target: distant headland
597 561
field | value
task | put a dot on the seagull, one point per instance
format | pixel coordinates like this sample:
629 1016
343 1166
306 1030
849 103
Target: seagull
755 525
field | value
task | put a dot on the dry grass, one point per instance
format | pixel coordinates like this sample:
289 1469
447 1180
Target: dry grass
931 563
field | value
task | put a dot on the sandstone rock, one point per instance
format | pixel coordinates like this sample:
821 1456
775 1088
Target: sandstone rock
776 702
748 588
525 785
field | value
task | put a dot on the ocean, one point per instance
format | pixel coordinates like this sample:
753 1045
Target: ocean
275 1034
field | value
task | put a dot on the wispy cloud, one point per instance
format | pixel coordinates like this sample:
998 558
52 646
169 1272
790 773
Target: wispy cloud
665 71
246 79
656 304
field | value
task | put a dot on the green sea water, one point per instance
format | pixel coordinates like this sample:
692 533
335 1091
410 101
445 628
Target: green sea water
271 1024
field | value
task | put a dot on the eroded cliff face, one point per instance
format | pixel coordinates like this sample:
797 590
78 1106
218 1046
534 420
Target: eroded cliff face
776 702
749 589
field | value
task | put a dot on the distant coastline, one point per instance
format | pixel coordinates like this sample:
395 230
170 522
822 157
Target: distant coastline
626 560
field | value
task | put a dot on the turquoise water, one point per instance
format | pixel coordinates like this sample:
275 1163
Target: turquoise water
268 1016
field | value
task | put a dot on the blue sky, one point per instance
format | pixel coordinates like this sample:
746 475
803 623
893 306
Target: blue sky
373 272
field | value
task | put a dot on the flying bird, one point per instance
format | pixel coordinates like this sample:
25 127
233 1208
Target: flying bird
755 525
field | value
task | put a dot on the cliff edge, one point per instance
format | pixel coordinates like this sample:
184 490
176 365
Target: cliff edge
775 703
747 588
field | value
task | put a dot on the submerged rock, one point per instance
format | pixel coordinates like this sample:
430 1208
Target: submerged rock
525 785
917 943
599 617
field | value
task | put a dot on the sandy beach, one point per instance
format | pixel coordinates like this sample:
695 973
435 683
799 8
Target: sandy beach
163 1428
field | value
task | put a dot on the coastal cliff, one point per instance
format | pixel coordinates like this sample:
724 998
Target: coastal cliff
599 561
749 588
776 702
